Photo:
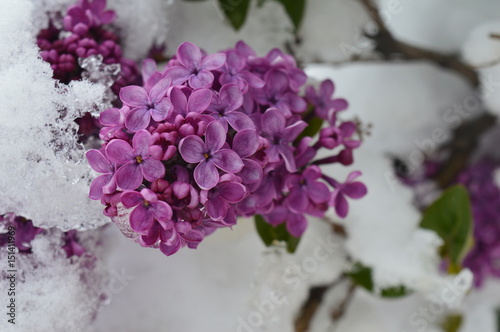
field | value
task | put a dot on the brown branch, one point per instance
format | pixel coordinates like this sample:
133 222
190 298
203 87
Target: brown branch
339 311
314 300
388 47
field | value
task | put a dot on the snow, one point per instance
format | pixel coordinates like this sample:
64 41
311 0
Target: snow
53 292
46 176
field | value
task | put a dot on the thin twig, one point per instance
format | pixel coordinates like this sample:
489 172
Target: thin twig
314 300
388 46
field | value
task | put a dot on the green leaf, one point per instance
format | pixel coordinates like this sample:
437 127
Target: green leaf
236 11
295 10
313 127
452 323
450 217
362 276
270 234
498 319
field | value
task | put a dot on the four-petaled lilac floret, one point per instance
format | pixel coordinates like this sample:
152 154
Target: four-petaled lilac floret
137 162
209 156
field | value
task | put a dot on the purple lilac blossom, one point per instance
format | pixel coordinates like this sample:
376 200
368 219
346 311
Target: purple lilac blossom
228 146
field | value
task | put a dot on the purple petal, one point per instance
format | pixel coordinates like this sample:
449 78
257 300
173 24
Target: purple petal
206 175
98 161
131 198
189 55
161 110
355 190
215 136
340 203
178 74
134 96
326 89
148 68
110 117
160 90
246 142
291 132
273 122
170 249
253 80
213 61
141 219
152 169
230 97
203 79
228 161
277 216
216 208
297 201
119 152
97 184
240 121
137 119
287 155
232 192
194 235
277 82
318 192
339 104
251 171
192 149
161 211
141 142
230 218
199 100
179 100
129 176
296 224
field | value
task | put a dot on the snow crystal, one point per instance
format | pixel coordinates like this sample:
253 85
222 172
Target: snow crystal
53 292
45 176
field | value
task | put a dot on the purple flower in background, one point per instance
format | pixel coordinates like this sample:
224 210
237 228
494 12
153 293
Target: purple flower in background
144 105
233 72
305 188
218 199
331 137
296 223
137 162
273 127
323 101
224 108
209 155
87 14
25 232
71 245
106 183
194 67
275 94
148 209
350 188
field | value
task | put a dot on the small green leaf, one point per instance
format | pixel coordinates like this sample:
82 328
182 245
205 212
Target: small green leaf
265 231
313 127
270 234
450 217
295 10
498 319
452 323
362 276
236 11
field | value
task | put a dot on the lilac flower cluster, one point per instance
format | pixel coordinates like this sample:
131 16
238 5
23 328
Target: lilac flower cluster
25 232
484 258
213 137
83 33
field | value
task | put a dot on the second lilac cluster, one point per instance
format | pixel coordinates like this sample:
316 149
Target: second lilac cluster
212 137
